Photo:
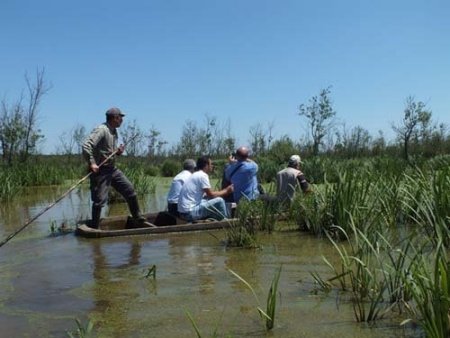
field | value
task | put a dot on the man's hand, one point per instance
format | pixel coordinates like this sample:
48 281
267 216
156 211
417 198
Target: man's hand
93 168
120 150
232 159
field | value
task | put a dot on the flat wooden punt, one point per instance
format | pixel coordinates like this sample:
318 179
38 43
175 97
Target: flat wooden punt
161 222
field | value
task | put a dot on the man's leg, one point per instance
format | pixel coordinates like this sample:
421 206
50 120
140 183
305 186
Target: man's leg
121 183
215 208
100 183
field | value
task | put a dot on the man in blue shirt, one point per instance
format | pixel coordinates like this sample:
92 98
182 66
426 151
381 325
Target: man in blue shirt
242 174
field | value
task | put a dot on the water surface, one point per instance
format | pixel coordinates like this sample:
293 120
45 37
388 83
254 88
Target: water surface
46 282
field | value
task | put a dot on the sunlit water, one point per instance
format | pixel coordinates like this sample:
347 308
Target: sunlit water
48 281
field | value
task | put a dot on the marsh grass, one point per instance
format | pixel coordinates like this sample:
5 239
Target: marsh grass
143 184
82 331
215 332
242 231
10 187
151 272
430 288
269 314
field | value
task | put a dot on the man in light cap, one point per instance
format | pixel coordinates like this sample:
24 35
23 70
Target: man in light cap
177 184
290 179
98 146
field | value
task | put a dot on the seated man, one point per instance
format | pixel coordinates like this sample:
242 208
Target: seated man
242 174
177 184
290 179
192 204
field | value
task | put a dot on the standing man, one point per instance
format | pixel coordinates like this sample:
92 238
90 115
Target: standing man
290 179
192 205
177 184
101 143
242 174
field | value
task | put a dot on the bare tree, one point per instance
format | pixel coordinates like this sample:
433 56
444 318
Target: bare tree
19 133
257 139
36 90
71 141
133 137
319 114
415 118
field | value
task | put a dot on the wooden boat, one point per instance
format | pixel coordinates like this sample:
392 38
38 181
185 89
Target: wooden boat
157 223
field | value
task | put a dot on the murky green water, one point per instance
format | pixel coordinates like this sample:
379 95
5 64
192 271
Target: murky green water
46 282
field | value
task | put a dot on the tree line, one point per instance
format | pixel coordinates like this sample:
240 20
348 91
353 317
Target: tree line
415 135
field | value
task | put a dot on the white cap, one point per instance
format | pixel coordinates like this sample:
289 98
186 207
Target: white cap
295 160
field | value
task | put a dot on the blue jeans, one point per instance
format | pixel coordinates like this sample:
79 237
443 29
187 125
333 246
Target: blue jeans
213 208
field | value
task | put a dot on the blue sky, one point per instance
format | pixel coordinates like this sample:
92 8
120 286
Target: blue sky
251 61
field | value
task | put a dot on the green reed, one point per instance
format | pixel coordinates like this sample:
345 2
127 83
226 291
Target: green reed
143 184
243 230
269 314
427 200
82 331
10 187
430 288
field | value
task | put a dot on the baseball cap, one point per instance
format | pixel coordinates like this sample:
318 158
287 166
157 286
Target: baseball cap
114 111
295 159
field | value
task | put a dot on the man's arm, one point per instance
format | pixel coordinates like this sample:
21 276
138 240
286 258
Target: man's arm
89 145
220 193
303 183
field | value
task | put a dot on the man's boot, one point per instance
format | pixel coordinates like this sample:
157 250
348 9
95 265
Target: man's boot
133 205
96 213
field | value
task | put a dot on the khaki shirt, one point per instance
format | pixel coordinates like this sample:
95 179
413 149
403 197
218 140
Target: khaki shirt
287 184
101 143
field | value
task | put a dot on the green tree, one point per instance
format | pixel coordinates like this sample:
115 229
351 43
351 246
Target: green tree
415 118
319 114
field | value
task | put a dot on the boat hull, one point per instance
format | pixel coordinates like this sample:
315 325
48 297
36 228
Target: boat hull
158 223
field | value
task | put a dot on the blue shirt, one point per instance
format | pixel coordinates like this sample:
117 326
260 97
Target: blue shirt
244 179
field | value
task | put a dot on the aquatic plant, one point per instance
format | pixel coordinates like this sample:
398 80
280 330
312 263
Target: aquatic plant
242 231
82 331
151 272
214 334
11 185
269 314
430 288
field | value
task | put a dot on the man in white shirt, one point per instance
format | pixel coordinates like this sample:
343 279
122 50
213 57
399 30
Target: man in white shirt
192 204
177 184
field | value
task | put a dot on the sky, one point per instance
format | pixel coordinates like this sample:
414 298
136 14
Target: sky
164 62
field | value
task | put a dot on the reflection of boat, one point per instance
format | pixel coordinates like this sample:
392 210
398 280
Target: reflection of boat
157 223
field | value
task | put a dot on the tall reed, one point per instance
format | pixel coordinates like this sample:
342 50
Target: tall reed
430 288
269 314
10 186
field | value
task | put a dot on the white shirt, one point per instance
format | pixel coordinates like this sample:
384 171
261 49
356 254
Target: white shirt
177 184
191 193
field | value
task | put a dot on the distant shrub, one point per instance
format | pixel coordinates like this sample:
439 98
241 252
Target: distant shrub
170 168
152 170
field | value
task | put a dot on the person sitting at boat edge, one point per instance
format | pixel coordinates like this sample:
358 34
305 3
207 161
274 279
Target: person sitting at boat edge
177 184
242 173
192 204
290 179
